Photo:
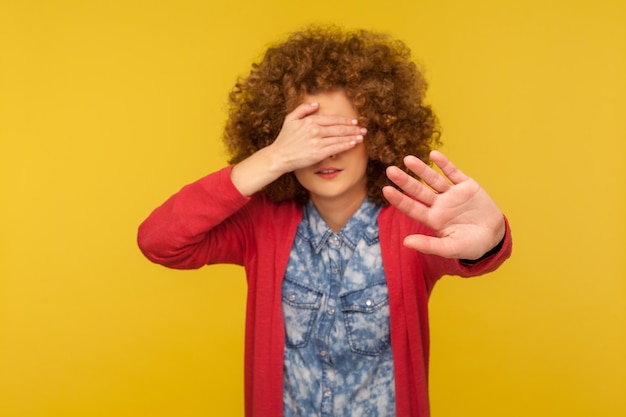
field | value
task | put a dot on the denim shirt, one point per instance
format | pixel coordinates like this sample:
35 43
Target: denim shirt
338 359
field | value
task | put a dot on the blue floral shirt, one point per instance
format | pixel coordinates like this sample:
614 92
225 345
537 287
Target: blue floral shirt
338 359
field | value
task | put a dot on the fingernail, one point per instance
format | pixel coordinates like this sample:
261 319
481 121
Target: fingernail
359 138
355 121
314 104
363 130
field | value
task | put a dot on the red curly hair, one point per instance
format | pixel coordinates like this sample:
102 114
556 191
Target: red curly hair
377 75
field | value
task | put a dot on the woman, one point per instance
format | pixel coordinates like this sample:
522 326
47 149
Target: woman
340 263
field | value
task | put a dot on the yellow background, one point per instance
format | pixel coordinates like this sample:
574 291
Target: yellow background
108 107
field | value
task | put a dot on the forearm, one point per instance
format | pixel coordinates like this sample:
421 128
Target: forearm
257 171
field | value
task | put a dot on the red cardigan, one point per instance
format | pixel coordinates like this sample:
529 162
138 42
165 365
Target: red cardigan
210 222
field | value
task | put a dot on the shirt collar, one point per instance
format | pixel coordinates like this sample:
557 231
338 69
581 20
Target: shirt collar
363 224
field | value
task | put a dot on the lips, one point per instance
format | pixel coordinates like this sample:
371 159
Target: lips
328 172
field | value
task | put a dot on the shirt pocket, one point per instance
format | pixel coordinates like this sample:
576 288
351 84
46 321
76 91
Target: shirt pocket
366 316
300 307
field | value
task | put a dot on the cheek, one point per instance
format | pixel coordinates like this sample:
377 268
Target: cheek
358 153
301 177
363 160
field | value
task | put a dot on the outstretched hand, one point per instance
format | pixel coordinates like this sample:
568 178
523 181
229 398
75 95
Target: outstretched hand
466 221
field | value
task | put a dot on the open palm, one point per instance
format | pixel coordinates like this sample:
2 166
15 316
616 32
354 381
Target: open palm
467 223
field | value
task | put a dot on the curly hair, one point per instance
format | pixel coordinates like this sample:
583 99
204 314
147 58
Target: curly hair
377 74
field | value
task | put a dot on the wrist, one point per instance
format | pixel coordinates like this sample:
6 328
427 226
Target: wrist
255 172
489 253
274 161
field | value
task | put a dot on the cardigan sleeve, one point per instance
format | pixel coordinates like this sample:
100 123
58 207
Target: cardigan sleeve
201 224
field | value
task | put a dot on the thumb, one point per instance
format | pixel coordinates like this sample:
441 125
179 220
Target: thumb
429 245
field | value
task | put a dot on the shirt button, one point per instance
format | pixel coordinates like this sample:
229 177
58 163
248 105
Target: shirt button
331 311
368 303
327 393
322 353
335 270
292 297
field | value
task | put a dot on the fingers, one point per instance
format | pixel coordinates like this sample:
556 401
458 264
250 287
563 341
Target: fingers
448 168
332 140
411 186
427 174
407 205
308 109
326 126
308 137
418 196
340 132
435 180
302 110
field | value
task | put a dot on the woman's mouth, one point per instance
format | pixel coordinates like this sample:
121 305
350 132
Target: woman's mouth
328 173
